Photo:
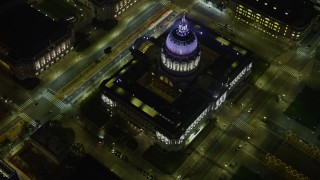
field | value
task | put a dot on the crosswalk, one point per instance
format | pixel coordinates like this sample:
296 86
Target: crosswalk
24 116
290 71
305 52
33 123
28 118
302 52
58 117
55 100
25 104
245 127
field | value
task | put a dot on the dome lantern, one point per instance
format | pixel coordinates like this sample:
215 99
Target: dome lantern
180 52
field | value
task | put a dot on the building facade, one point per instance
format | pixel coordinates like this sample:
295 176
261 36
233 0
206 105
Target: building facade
7 172
108 9
289 19
31 42
169 90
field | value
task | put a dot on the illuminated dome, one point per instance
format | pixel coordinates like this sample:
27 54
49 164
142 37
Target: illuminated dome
180 52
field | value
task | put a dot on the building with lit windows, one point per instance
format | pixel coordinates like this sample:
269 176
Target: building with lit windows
289 19
174 83
30 41
220 4
108 9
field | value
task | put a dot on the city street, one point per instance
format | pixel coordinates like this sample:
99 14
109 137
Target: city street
246 129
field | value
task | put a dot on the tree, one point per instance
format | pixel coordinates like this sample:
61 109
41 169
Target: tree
78 150
5 142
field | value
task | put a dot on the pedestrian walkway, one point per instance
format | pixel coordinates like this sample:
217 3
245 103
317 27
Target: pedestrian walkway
58 117
244 126
25 104
61 105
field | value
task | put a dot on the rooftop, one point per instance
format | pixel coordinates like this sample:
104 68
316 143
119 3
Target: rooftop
104 2
296 13
28 32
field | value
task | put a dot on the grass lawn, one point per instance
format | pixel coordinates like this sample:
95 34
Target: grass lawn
132 144
117 133
259 66
82 41
56 9
299 160
93 111
107 25
169 162
305 108
29 83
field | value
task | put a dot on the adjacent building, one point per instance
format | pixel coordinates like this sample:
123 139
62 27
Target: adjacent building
108 9
30 41
7 172
174 83
289 19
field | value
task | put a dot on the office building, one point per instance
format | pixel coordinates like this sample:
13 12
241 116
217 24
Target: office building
285 19
30 41
108 9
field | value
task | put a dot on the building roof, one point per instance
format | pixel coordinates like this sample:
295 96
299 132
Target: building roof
27 32
194 93
104 2
296 13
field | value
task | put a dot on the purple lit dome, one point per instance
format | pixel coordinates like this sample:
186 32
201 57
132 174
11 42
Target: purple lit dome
181 41
180 54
